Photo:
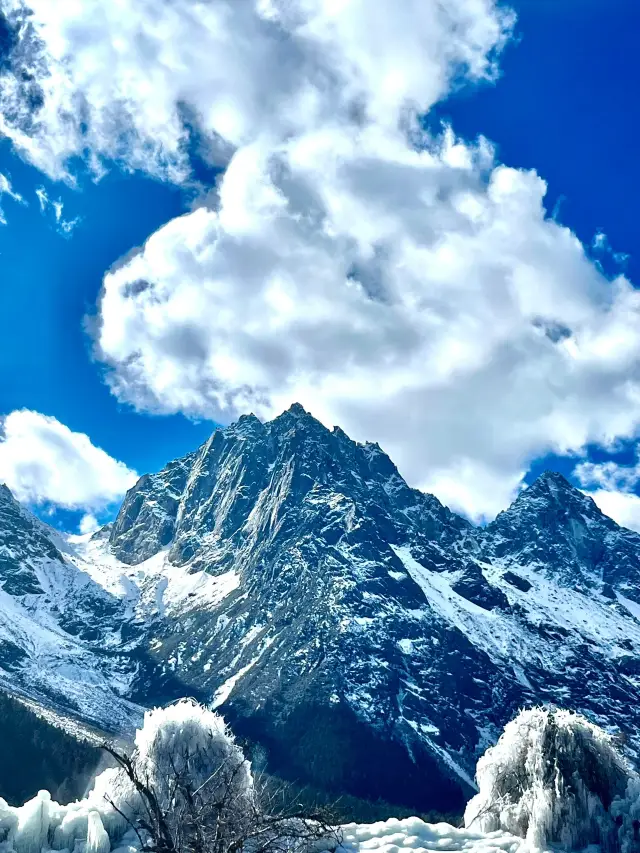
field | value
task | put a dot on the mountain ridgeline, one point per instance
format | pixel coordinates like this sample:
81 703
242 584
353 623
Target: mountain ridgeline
359 636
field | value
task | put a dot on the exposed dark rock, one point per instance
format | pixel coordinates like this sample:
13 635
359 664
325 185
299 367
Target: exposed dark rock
515 580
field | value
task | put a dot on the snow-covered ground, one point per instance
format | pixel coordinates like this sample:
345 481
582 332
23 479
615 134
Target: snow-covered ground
42 825
413 834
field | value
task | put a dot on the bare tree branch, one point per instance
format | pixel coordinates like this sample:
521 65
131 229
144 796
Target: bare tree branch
222 814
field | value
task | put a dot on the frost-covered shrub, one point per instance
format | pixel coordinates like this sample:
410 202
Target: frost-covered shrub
194 792
190 781
188 742
551 779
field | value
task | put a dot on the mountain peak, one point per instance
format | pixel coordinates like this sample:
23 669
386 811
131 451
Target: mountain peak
298 410
553 481
245 427
550 496
557 528
5 493
297 418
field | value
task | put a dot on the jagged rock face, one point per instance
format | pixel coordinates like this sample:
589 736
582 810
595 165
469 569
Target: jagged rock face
22 542
368 639
245 480
307 519
146 522
555 527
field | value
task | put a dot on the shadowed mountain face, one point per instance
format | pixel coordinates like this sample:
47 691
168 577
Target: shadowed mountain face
360 635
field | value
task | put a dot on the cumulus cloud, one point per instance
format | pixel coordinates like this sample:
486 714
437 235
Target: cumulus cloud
401 284
417 297
42 461
125 80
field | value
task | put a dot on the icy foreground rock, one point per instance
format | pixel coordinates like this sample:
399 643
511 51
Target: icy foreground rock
364 638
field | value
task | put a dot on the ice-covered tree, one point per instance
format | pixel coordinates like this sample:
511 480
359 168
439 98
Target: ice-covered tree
188 788
551 779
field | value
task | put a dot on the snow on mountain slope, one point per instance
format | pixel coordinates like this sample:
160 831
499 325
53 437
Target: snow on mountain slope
72 617
560 531
51 619
517 632
368 639
153 588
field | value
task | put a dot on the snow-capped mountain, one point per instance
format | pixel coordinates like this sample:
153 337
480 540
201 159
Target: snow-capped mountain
364 638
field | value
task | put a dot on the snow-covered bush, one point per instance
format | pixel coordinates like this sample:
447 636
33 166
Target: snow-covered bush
551 779
190 743
187 785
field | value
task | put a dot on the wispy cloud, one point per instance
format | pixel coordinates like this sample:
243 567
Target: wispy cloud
602 246
7 190
63 226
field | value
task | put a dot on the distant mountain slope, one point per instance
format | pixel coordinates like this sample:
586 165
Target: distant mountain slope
361 635
37 754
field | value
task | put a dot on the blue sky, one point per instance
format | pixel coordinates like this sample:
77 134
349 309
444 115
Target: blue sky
563 106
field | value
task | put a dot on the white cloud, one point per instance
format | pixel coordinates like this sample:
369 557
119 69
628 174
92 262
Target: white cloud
7 190
609 475
623 507
403 286
600 242
88 524
612 485
601 246
116 80
43 461
64 227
